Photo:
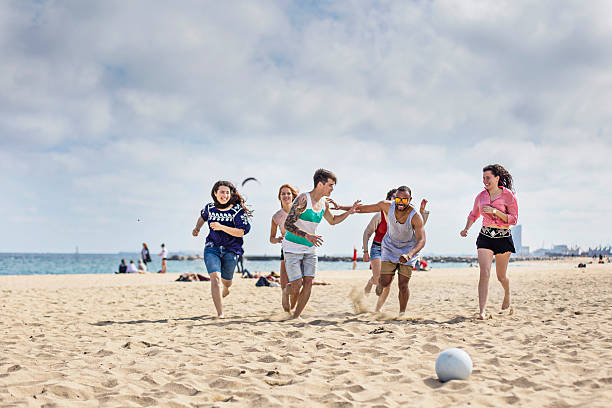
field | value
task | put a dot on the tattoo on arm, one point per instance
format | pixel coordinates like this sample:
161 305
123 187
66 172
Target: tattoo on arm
296 209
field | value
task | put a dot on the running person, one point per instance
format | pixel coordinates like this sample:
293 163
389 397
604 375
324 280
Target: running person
378 227
286 195
499 210
401 244
228 220
300 242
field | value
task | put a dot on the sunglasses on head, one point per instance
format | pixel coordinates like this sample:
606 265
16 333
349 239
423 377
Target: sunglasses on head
399 200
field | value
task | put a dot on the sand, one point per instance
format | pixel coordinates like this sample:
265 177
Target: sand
110 341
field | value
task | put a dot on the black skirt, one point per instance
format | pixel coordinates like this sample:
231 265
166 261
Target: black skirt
499 245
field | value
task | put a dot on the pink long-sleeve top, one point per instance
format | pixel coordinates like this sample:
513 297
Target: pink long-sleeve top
505 202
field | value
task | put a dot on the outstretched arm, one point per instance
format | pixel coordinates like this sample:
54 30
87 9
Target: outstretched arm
335 206
370 208
337 219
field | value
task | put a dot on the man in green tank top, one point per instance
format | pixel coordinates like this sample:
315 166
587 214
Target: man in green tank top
300 241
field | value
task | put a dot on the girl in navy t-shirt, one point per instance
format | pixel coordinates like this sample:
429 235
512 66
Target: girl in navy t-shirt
228 220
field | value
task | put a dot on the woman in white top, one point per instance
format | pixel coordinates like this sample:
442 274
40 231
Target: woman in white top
286 195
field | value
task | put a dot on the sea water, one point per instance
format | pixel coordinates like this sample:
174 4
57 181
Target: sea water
62 264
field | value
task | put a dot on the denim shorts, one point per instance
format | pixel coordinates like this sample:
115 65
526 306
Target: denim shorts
300 265
375 250
219 259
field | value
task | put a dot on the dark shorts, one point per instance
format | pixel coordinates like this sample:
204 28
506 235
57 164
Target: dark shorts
219 259
499 245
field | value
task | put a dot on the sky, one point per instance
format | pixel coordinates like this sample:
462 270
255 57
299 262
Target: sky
116 118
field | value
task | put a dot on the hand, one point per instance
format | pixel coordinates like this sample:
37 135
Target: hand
333 204
278 240
423 204
406 257
355 206
366 257
216 226
463 233
488 209
316 240
195 232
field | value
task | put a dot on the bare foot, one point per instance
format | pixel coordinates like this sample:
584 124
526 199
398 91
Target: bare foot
225 291
505 303
285 300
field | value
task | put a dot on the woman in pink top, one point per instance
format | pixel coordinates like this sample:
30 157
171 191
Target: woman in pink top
499 210
286 195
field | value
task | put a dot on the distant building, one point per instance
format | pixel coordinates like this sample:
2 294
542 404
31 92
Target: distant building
517 238
557 250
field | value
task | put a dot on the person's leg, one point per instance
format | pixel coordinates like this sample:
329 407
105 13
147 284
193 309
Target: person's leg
309 268
212 260
215 291
375 264
228 266
403 279
387 272
163 266
293 269
304 296
285 292
501 267
382 298
485 258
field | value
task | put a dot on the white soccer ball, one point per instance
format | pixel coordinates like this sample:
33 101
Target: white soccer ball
453 364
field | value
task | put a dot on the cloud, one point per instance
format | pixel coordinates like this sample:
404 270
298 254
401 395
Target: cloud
118 111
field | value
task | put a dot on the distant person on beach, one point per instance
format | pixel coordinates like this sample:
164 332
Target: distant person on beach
286 195
164 255
228 221
400 245
354 258
122 267
131 268
378 227
142 266
300 242
499 210
144 254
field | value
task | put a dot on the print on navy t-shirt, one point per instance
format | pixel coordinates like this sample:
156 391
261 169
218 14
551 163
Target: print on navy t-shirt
235 217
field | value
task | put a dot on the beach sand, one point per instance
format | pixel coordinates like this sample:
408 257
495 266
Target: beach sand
110 340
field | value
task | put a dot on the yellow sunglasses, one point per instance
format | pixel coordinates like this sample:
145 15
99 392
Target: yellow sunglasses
399 200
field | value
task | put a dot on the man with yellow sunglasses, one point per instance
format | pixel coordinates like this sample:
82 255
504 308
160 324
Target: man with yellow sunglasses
401 244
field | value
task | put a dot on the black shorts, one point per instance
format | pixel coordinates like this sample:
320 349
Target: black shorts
499 245
282 255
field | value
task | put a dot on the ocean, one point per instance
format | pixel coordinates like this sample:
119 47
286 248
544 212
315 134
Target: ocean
65 264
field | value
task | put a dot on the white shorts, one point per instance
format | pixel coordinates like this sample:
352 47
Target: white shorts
300 265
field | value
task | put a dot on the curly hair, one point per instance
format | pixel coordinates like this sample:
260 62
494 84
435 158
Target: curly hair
236 198
294 192
391 193
505 179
